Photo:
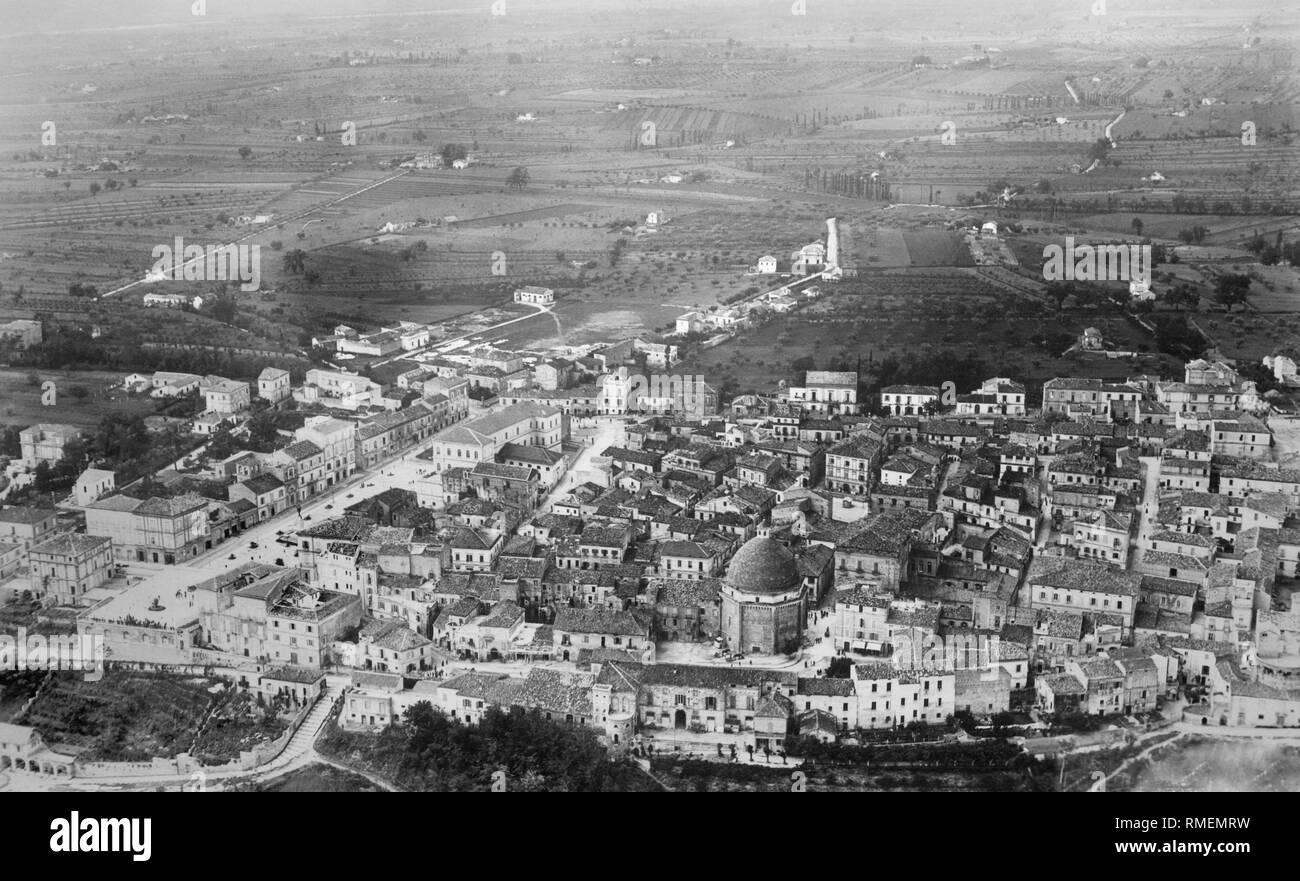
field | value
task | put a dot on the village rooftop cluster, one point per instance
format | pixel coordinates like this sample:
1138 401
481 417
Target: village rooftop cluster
489 528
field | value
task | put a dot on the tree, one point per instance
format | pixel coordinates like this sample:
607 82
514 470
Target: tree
223 309
245 153
419 137
295 261
451 152
80 392
840 668
10 443
1233 288
518 178
1137 225
222 446
95 188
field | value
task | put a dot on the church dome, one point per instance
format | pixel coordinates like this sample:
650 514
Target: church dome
763 566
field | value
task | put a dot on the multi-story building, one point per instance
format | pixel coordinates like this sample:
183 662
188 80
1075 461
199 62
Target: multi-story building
273 615
1103 535
273 385
1245 477
858 621
347 391
337 441
1103 683
1244 436
1072 397
576 629
838 697
390 433
154 530
908 400
25 526
479 440
221 395
1185 462
851 465
65 567
892 698
826 391
301 465
995 397
266 491
675 696
45 442
1188 398
1062 585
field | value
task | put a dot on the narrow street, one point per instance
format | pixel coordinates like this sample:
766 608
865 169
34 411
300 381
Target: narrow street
1149 509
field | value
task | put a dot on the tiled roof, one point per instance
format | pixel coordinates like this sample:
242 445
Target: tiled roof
683 592
599 621
70 544
1063 684
825 686
30 515
557 691
699 676
1077 575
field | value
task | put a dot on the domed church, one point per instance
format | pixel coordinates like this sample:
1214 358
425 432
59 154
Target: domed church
763 598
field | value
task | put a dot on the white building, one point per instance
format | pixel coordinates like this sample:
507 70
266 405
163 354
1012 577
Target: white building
93 484
273 384
534 295
221 395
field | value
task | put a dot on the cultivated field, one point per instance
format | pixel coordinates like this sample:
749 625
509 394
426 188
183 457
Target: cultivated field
761 124
21 393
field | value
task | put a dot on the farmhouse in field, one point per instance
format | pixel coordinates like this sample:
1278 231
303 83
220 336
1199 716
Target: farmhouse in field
534 295
172 301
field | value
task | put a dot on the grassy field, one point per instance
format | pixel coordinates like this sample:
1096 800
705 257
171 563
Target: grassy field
937 248
21 399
